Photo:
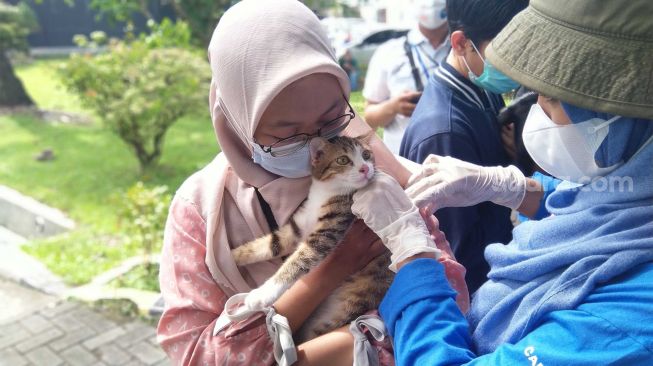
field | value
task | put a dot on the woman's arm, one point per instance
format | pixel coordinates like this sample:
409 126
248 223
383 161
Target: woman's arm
532 198
331 349
358 248
428 329
193 301
382 113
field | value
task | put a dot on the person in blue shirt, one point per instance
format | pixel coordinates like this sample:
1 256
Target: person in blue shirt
576 287
457 116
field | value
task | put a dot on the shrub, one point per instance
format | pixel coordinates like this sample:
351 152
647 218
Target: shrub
143 216
139 91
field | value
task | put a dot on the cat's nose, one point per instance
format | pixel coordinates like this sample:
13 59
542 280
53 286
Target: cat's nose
364 169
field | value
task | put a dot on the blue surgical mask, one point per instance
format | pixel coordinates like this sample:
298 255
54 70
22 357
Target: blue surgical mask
491 79
295 165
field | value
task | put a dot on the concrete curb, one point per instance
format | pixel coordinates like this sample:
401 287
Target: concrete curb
149 303
20 267
29 218
23 218
144 300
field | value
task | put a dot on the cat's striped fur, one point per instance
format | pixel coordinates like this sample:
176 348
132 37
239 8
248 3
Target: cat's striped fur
340 167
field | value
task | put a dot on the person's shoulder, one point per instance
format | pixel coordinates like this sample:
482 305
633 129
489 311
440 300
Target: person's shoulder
637 283
432 116
394 44
625 303
200 189
391 49
439 112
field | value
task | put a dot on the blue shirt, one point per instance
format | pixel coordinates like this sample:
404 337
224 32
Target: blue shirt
612 326
456 118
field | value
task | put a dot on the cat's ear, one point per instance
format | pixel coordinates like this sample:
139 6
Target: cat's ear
317 149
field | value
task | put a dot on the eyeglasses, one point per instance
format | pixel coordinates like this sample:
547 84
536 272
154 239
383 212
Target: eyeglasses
296 142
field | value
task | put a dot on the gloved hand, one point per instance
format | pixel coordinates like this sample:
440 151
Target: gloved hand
448 182
386 209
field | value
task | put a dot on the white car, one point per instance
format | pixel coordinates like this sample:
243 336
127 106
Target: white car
361 38
363 49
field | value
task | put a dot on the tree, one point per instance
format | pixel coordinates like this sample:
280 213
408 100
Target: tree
200 15
16 23
139 89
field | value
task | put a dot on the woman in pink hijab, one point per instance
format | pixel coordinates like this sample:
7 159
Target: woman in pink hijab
274 76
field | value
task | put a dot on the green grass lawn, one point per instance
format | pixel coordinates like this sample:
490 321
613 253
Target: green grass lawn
39 78
91 171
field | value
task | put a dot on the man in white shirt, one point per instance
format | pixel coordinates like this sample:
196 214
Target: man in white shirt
399 70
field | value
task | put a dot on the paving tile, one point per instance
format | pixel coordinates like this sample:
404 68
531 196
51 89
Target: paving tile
165 362
35 323
11 327
11 338
136 334
154 341
72 338
112 355
94 320
9 357
147 353
44 356
38 340
78 356
104 338
69 321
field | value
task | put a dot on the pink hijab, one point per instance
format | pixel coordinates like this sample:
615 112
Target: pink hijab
258 49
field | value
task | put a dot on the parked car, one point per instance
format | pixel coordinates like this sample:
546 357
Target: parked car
359 37
363 49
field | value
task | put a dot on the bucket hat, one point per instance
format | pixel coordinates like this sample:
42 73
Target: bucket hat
595 54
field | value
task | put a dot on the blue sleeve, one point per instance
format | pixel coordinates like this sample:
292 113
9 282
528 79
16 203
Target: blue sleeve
423 319
428 330
549 185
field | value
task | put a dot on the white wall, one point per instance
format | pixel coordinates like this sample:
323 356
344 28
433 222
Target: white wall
398 13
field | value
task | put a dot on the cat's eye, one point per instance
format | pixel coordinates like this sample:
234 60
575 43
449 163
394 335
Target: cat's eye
343 160
367 155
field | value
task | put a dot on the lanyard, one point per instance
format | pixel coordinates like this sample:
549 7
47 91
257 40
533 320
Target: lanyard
421 62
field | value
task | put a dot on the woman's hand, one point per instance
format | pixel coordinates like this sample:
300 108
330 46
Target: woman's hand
449 182
386 209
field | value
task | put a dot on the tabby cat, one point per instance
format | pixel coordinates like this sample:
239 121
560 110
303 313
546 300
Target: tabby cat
340 166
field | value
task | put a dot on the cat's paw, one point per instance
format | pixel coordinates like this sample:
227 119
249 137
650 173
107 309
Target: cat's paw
263 296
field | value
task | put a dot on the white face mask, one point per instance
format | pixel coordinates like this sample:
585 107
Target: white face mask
566 151
295 165
431 14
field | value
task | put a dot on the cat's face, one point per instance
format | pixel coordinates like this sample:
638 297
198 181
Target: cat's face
345 161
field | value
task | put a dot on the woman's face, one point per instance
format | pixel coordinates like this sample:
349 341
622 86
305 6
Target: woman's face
553 108
302 107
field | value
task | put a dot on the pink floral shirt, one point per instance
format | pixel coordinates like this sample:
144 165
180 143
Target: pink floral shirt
194 301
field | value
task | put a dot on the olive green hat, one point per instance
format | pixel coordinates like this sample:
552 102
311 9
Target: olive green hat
595 54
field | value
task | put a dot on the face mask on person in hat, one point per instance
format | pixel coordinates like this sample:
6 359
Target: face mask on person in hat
491 79
431 14
567 151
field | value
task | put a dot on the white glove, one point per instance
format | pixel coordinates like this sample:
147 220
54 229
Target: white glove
386 209
448 182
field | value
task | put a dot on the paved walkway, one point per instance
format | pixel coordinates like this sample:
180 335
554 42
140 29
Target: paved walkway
38 329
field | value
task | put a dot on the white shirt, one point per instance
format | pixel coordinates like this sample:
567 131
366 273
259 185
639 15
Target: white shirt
390 74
